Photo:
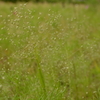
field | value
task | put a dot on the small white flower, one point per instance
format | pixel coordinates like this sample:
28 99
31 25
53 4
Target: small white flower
0 15
3 77
0 86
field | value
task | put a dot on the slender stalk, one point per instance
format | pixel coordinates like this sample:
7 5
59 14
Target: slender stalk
40 75
75 81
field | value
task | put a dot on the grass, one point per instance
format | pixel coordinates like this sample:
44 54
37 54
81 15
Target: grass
48 52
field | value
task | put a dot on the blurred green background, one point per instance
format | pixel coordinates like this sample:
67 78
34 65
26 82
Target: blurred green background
55 1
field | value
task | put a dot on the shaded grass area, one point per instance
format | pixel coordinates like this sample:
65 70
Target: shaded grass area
49 53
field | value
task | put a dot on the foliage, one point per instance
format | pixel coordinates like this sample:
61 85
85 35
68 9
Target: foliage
49 53
52 1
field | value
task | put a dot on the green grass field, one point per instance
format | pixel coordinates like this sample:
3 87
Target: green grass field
48 52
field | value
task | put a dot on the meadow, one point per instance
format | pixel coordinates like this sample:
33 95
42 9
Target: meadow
49 52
